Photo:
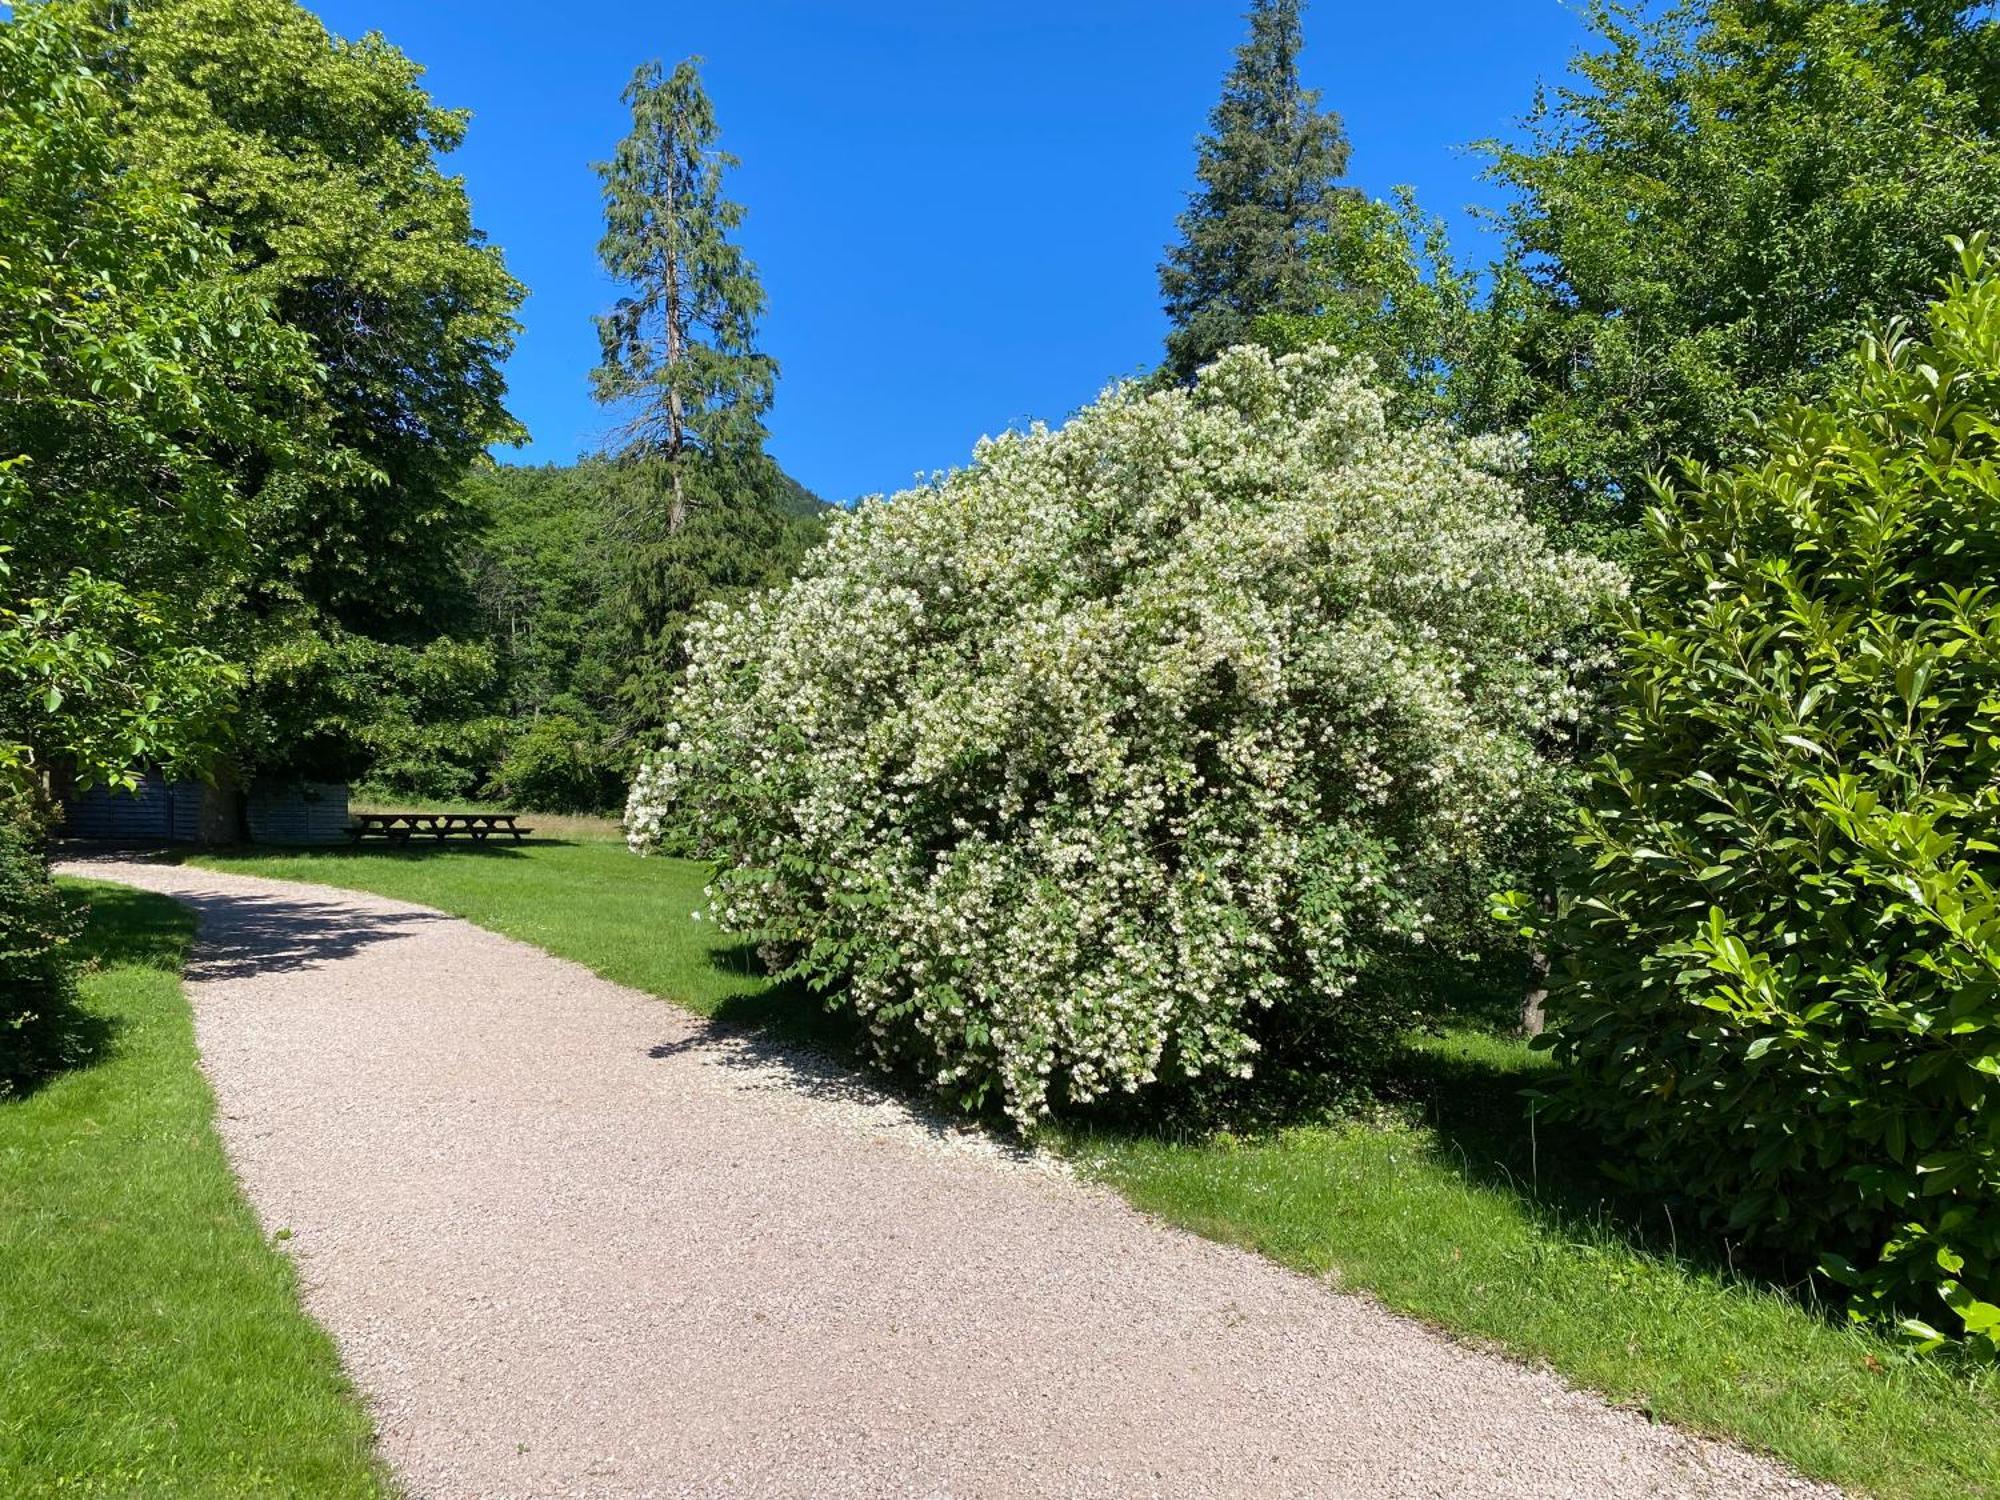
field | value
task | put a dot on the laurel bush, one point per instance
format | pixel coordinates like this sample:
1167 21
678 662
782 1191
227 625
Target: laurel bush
1065 768
1782 978
40 1028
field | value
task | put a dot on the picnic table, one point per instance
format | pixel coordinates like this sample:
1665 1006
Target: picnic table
400 828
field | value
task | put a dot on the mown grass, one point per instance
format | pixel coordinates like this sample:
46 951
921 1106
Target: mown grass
1458 1208
151 1341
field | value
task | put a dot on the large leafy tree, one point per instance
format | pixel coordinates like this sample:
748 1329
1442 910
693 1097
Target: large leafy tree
133 364
1268 171
318 159
131 358
1384 284
1722 196
679 347
314 162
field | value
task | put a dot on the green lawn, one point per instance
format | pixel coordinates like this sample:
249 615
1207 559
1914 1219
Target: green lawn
1457 1212
151 1342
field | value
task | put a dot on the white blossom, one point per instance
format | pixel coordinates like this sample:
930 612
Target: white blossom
1060 767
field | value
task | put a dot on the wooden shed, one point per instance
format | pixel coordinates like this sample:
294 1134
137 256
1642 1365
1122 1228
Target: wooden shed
156 811
306 812
159 812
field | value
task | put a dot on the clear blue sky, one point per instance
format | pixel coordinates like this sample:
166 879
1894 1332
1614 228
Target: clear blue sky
956 205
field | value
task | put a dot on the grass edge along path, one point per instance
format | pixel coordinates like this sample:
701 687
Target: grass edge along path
1393 1210
1374 1208
153 1341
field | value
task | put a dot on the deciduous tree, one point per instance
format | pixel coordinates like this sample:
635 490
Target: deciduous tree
1715 205
319 159
133 362
317 162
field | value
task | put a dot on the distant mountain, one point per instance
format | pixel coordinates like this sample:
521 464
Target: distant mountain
796 500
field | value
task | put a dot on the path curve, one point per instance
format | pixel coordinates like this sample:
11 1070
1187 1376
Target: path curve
573 1242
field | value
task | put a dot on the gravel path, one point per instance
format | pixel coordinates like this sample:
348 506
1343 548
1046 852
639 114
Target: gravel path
572 1242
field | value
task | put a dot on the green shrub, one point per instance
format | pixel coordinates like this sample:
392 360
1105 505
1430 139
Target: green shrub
40 1029
1098 763
558 764
1782 987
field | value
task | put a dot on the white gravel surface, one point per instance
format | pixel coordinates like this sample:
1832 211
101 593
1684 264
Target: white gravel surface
573 1242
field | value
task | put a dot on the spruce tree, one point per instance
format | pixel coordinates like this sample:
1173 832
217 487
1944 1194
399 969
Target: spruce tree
679 347
1267 169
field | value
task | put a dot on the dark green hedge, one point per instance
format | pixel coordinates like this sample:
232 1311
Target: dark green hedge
40 1029
1781 987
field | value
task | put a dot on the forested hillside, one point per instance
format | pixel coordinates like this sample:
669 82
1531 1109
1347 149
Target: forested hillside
581 593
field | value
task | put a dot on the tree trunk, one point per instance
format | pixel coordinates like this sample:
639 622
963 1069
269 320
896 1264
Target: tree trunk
676 353
676 504
1533 1020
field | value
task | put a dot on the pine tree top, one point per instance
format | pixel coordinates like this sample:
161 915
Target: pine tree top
679 347
1268 171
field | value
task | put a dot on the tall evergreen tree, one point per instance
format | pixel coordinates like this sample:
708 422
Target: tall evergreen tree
679 346
1268 170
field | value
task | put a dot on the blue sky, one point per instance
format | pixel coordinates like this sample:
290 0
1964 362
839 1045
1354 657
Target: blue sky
956 208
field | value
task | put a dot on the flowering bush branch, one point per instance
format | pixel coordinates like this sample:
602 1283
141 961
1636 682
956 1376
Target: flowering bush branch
1061 769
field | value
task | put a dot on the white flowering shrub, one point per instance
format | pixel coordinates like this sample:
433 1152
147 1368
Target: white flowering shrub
1061 770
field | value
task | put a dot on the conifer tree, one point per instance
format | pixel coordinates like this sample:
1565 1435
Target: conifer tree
679 347
1268 170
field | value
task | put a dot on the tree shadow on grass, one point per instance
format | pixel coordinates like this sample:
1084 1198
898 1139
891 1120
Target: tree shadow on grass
57 1035
126 927
61 1033
1487 1102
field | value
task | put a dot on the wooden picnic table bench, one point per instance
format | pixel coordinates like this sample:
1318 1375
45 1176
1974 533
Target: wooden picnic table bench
400 828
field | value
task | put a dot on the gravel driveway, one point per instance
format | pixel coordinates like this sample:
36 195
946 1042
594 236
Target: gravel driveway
573 1242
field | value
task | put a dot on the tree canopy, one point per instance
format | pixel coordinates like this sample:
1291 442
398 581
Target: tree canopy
134 363
1709 213
314 163
1383 283
319 159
